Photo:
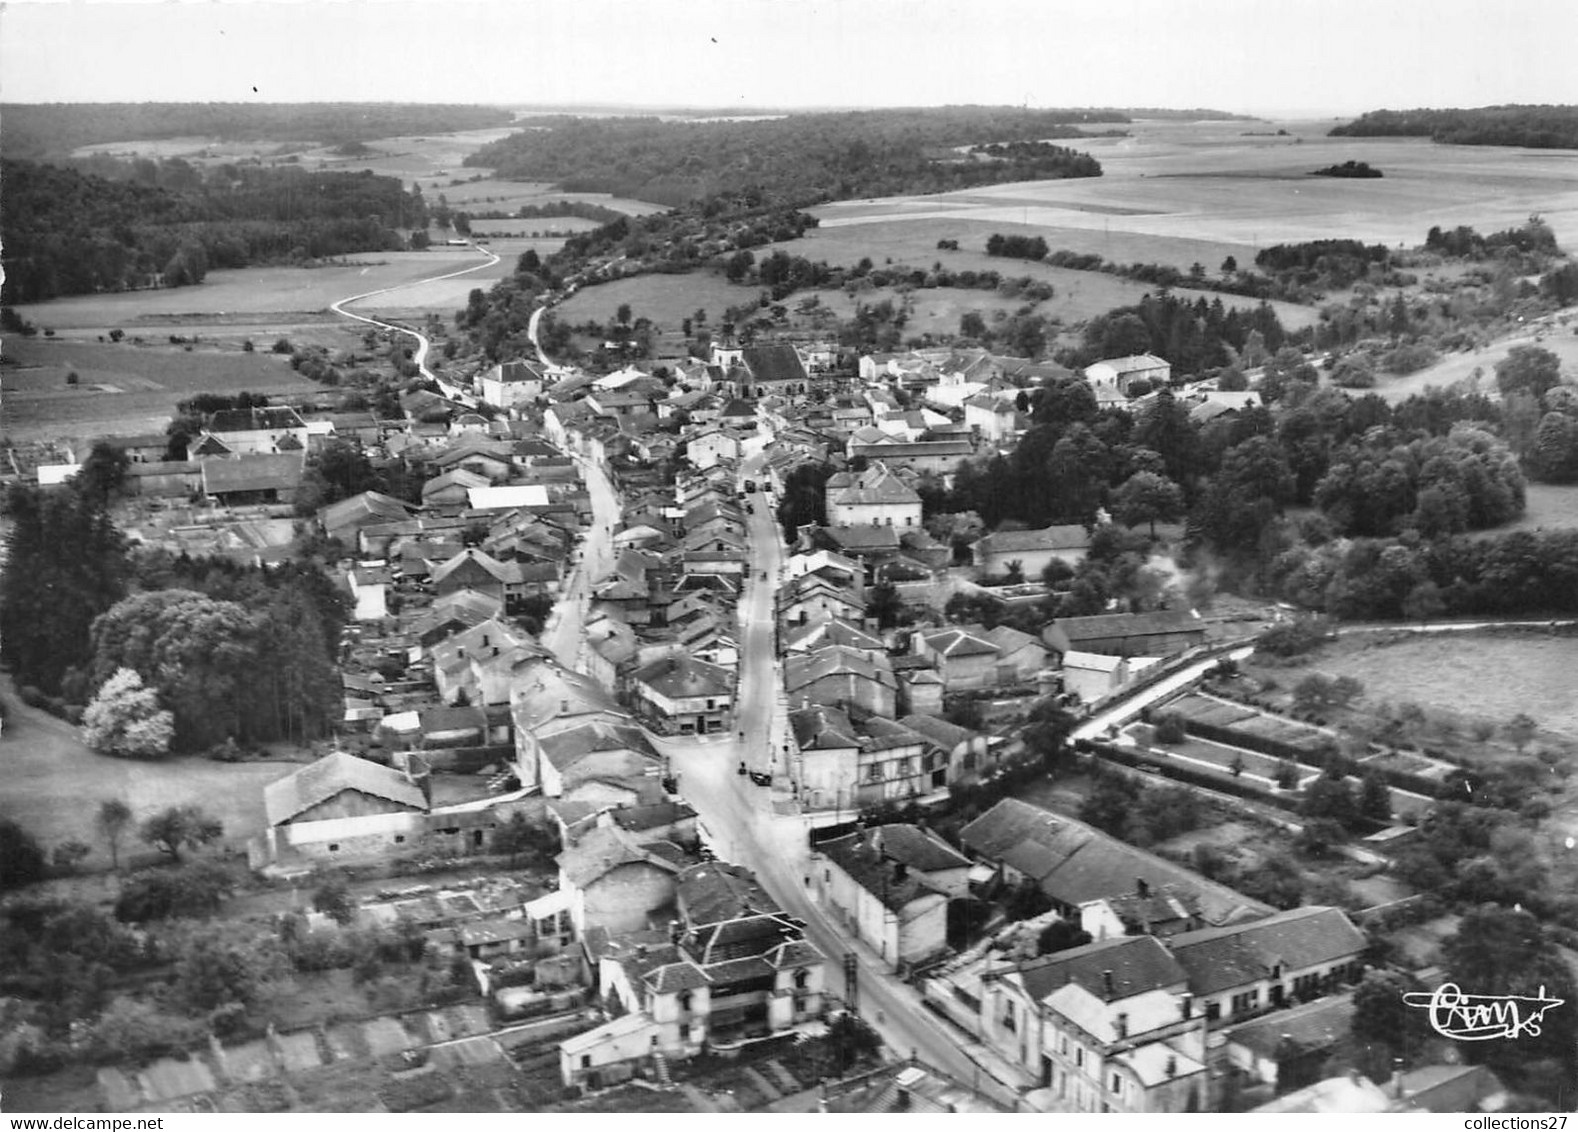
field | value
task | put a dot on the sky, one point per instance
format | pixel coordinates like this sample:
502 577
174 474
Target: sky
1270 57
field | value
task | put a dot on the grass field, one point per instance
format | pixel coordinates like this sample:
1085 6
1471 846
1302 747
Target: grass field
1181 191
52 785
124 389
1452 672
666 299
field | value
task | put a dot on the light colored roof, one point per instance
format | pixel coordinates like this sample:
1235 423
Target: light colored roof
260 472
603 849
1092 661
1070 536
875 485
680 677
1219 958
512 495
318 782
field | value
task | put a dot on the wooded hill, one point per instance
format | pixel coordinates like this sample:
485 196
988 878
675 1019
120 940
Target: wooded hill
1538 127
800 159
68 233
44 130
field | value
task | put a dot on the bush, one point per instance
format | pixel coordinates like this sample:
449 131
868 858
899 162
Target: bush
1170 729
283 346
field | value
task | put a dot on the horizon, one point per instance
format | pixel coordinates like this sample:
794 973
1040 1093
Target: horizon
1230 56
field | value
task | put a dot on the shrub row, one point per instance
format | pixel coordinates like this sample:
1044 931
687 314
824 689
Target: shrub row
32 697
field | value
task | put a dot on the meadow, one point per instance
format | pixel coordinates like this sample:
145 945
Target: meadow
123 389
1447 673
1178 192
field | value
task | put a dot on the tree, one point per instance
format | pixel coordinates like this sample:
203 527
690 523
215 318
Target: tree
1229 265
103 474
1528 369
1520 730
113 817
1060 935
1555 452
1375 797
125 719
622 314
1380 1015
333 898
1146 497
21 858
180 827
972 325
1276 881
884 604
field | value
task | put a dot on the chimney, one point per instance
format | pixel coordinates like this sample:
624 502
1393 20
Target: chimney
641 951
901 873
1122 1022
564 707
1106 983
1172 1066
1141 888
1187 1002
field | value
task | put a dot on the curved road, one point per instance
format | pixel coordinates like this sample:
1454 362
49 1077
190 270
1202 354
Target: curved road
420 357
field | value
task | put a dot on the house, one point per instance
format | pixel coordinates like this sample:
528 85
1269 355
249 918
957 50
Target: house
772 370
1092 676
511 384
252 479
962 657
145 448
685 696
734 966
484 498
940 456
966 751
345 519
1287 1049
1122 373
1351 1095
369 591
162 479
1241 968
1107 1027
263 430
905 1086
1162 633
1075 864
1020 656
452 488
813 599
492 460
342 805
471 569
891 887
812 635
614 881
1033 550
711 447
837 676
871 498
995 416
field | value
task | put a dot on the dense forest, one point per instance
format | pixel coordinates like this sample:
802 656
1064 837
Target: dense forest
797 160
1538 127
43 130
167 223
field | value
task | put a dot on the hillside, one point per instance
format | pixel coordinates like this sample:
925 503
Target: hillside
1537 127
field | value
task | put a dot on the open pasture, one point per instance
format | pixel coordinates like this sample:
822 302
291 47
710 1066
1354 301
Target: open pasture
1212 188
1447 672
666 299
123 389
249 291
1551 507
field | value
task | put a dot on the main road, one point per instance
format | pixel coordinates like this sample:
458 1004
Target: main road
760 828
422 344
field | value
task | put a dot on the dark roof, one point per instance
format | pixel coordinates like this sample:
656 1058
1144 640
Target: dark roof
1135 963
1075 863
714 891
939 731
773 362
263 472
1067 537
1219 958
1127 624
640 818
317 782
1313 1026
249 420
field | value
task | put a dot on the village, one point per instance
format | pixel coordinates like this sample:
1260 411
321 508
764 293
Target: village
784 786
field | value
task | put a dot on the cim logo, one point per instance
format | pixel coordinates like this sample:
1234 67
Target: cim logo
1482 1017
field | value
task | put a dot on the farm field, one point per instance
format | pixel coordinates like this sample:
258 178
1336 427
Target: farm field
124 389
1551 507
52 785
666 299
1080 294
1448 672
246 293
1206 184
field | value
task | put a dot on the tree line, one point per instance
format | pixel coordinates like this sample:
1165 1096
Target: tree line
821 156
1537 127
43 130
234 653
